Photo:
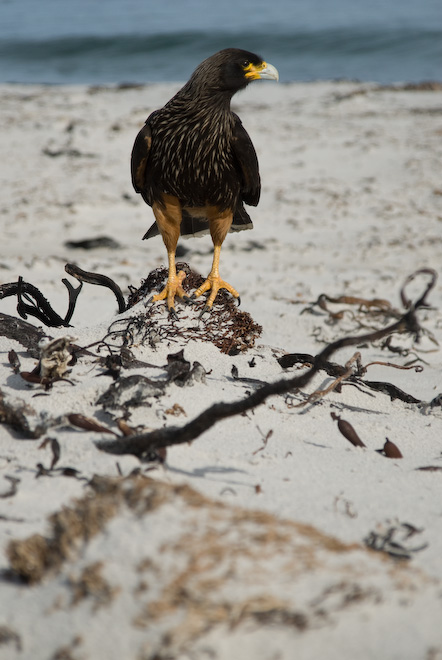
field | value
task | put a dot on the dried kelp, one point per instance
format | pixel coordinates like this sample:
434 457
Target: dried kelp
156 280
93 243
14 481
88 424
140 444
390 450
131 391
135 390
36 304
348 431
290 359
22 418
351 375
55 358
99 280
391 390
124 427
14 361
24 333
68 151
424 86
179 370
10 636
231 330
56 453
395 539
335 384
430 468
366 314
354 371
376 306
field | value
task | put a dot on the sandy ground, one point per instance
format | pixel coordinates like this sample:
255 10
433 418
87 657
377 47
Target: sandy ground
252 540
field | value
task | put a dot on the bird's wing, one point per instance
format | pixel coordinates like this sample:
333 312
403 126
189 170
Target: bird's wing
245 155
138 164
140 157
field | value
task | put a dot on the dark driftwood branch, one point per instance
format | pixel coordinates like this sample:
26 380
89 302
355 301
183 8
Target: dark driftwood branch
140 445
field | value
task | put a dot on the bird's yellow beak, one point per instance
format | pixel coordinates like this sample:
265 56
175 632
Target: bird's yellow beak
263 70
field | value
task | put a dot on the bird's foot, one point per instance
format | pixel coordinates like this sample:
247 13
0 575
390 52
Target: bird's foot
214 283
173 288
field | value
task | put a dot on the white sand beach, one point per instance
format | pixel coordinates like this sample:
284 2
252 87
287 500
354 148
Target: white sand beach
269 535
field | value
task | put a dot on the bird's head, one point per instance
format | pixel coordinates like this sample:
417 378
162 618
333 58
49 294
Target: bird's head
232 69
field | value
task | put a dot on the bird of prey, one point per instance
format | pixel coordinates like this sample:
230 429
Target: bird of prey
195 165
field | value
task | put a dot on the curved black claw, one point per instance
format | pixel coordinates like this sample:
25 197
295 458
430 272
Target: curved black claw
205 309
188 300
239 301
173 313
148 301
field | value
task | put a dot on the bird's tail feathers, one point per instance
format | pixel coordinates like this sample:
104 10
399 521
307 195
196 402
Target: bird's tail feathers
151 232
241 220
198 226
193 226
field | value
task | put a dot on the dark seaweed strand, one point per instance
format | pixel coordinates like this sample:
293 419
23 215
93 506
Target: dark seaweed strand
100 280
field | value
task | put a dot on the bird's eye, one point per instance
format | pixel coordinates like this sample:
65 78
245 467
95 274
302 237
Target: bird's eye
246 64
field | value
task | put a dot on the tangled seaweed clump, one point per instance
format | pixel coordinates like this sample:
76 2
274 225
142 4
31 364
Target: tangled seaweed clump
230 329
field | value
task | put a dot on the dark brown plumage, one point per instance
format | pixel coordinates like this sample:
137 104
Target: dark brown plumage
195 165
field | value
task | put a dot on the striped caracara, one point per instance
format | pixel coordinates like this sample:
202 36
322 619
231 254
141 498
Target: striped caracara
195 165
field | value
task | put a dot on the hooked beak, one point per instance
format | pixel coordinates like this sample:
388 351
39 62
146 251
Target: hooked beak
263 71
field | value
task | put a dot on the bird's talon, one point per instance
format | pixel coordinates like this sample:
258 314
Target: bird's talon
173 314
205 309
239 301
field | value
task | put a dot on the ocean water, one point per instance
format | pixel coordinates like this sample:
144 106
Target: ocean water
138 41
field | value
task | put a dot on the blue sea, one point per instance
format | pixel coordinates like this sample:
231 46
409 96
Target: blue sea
139 41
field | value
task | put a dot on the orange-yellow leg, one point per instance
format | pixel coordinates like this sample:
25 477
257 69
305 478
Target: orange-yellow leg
168 218
213 282
173 285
